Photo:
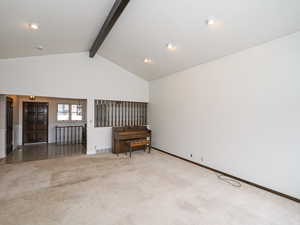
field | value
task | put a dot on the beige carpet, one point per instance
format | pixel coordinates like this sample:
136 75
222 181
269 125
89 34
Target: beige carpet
154 189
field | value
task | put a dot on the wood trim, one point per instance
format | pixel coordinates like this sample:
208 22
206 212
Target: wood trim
234 177
112 18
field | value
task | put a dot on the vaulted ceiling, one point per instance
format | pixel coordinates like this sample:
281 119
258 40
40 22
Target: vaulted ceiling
144 29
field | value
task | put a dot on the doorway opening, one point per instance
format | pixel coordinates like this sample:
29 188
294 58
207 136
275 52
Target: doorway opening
35 122
9 125
44 127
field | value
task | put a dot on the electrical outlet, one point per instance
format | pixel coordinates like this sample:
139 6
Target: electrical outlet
191 155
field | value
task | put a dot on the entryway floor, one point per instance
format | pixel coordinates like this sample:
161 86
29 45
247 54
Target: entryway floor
44 151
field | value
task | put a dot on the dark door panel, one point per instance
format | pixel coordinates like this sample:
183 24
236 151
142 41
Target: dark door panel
40 136
35 122
9 125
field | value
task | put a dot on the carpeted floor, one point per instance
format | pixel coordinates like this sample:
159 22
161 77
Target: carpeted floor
154 189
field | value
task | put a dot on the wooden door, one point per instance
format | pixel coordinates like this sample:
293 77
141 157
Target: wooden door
9 125
35 122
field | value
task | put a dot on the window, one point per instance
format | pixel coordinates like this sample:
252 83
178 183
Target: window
69 112
76 114
63 112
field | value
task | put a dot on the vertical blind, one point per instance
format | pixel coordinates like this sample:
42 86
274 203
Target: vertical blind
120 113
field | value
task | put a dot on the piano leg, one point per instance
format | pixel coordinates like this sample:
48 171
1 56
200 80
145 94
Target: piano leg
130 151
149 146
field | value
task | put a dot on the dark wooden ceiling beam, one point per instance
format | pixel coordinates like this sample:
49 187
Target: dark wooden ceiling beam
113 16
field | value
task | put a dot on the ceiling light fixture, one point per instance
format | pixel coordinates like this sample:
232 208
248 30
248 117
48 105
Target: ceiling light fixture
171 47
210 22
33 26
147 60
39 47
32 97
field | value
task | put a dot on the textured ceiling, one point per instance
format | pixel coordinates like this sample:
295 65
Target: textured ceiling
144 29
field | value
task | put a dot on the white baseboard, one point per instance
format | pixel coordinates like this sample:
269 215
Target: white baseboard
103 150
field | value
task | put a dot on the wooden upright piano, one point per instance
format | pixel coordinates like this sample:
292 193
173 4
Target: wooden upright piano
122 134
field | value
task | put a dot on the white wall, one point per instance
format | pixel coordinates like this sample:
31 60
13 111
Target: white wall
16 123
240 114
73 76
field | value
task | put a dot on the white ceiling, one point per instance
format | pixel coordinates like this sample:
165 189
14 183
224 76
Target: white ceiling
144 29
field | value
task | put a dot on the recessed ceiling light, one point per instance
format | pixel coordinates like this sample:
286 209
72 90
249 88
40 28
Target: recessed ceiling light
147 60
39 47
210 22
33 26
171 47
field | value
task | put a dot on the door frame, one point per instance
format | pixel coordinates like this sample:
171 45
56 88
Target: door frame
23 122
9 99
